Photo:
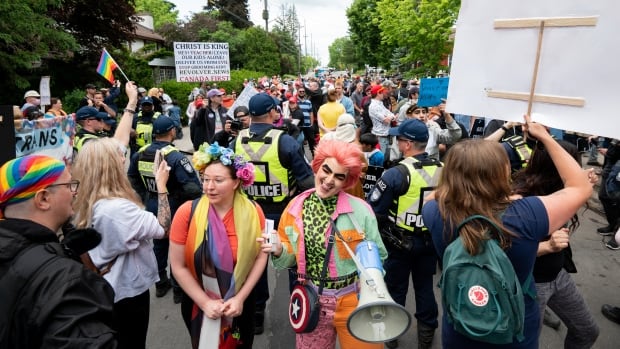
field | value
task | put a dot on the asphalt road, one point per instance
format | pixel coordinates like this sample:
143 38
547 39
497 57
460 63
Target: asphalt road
598 278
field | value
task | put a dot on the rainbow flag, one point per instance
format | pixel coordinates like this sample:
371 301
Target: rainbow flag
106 66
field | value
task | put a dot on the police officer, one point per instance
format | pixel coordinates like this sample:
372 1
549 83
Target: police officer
143 124
183 185
397 200
91 125
518 149
281 171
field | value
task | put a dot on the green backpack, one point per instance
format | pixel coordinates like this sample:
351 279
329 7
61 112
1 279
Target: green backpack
481 294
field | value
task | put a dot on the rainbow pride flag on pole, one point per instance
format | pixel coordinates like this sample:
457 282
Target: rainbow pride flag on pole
106 66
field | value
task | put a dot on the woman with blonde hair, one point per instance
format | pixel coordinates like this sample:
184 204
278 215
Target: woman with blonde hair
107 203
305 229
476 181
214 252
328 113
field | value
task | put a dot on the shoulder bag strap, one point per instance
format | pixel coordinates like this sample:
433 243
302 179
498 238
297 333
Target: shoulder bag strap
328 254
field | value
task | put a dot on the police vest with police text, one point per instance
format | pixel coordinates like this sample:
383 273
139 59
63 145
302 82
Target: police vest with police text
146 164
273 183
144 130
80 139
423 176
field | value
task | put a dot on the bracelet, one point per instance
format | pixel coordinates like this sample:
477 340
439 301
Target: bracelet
504 128
164 193
127 110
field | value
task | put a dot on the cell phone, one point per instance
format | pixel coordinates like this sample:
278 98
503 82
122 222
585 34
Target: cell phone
159 157
273 236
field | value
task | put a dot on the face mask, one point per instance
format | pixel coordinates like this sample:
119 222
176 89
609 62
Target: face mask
36 102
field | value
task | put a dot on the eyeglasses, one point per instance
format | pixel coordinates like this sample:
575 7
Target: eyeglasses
420 111
216 180
73 185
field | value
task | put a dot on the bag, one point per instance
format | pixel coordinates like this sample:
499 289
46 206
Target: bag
304 308
482 296
612 184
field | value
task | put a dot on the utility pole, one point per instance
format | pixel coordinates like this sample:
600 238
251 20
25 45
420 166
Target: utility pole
305 39
266 17
299 46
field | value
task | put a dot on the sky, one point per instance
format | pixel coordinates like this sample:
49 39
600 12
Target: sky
324 20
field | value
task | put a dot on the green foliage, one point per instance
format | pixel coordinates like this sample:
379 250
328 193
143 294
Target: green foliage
363 20
162 11
27 36
421 27
342 53
261 52
72 99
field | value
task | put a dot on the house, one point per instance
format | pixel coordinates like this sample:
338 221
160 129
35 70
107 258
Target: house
163 68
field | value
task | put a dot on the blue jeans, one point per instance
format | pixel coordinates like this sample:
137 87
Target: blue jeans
563 297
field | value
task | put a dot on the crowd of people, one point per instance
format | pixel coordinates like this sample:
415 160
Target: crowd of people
108 225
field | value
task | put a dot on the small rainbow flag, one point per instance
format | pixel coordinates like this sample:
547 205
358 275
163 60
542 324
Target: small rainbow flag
106 66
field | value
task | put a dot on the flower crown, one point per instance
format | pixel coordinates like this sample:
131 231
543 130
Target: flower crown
208 153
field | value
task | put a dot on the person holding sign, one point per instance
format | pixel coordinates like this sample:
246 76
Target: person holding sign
476 180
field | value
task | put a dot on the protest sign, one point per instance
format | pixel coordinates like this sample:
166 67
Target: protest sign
201 61
44 90
243 99
432 91
498 45
52 137
372 176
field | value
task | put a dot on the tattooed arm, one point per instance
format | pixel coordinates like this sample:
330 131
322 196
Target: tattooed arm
163 206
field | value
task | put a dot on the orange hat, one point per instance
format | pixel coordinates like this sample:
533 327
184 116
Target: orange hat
376 90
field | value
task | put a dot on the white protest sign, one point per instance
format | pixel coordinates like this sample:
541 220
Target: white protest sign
44 90
576 62
201 61
52 137
243 99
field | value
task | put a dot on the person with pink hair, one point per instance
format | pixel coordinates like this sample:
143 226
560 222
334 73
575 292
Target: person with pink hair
304 231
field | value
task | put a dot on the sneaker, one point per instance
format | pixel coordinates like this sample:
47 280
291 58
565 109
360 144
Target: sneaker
161 288
392 344
605 231
612 244
611 312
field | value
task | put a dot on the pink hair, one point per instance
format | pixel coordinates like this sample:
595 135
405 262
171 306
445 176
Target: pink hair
349 155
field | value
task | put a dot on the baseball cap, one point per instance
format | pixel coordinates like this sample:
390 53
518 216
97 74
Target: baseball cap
162 125
241 109
261 104
87 112
88 86
292 100
109 119
146 100
375 90
31 93
214 92
141 90
412 129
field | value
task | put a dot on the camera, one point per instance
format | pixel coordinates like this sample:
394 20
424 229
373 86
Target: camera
236 125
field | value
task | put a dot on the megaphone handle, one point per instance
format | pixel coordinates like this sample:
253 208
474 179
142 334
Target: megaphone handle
370 281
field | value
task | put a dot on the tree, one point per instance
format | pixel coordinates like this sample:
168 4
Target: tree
191 30
422 27
26 37
162 11
233 11
342 53
261 52
286 35
110 23
363 21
